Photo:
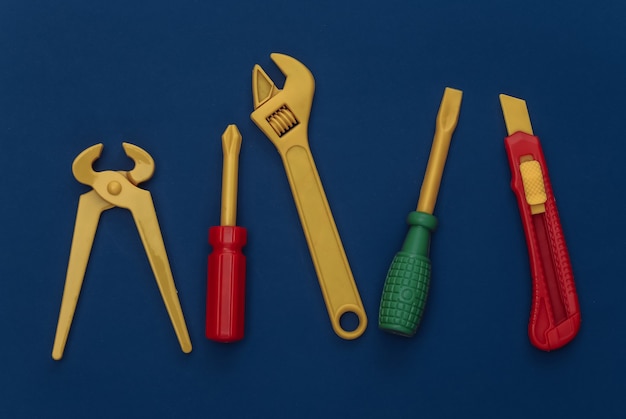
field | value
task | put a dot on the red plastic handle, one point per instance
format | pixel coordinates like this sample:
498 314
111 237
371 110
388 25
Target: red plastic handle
226 284
555 313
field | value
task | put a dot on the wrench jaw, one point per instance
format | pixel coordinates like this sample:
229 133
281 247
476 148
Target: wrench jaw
263 88
298 78
280 114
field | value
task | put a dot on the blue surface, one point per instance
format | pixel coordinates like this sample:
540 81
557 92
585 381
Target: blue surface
169 77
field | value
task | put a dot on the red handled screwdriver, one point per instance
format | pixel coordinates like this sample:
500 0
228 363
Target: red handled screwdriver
226 279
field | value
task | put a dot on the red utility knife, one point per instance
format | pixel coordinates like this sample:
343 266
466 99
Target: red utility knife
555 313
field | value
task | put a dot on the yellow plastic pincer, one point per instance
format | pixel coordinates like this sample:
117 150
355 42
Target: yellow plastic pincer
116 189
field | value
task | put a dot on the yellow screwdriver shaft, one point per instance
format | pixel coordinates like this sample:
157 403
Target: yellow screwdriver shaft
231 145
447 118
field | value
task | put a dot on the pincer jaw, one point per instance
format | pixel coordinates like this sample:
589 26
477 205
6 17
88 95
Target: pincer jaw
82 167
144 163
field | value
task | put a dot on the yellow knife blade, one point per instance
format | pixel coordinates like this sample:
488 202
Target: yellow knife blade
516 115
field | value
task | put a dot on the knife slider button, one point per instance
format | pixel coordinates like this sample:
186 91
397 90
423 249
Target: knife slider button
534 188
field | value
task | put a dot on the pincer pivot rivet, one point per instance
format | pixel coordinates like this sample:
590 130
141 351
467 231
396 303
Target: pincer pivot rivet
114 188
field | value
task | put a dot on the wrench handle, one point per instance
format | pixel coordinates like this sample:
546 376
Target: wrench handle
331 264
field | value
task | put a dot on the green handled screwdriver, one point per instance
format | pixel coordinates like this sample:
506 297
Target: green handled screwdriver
408 279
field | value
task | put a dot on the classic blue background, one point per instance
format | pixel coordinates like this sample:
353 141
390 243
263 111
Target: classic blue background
169 76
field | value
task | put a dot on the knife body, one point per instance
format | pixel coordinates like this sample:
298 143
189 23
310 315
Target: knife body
555 311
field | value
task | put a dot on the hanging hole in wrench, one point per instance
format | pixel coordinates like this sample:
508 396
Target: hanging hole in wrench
349 321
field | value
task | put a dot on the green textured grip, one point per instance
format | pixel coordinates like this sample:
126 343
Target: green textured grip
406 287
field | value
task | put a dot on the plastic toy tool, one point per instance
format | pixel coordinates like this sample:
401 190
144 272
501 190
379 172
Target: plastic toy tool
555 313
116 189
283 115
226 281
408 279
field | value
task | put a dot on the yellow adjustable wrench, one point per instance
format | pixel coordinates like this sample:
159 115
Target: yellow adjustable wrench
283 116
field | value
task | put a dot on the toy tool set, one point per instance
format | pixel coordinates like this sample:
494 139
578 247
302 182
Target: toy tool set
283 116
